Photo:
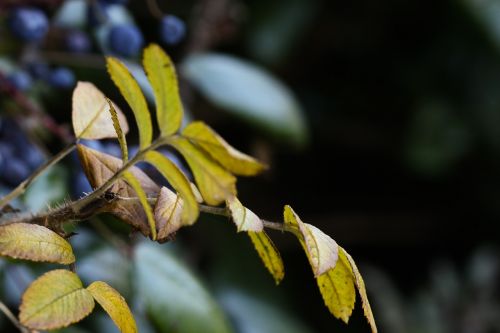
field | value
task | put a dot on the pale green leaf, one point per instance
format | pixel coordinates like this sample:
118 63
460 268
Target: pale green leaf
90 115
55 300
179 182
161 74
360 284
214 145
321 249
143 199
34 242
173 298
133 95
337 288
119 132
268 254
215 184
168 212
244 218
115 305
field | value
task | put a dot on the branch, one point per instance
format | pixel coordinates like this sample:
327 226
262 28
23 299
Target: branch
13 318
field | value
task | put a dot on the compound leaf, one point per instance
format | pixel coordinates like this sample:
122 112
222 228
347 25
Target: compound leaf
133 95
90 115
179 182
143 199
268 254
244 218
214 145
161 74
34 242
215 184
321 249
55 300
115 305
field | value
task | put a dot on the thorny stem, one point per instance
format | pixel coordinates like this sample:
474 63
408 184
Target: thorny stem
12 318
27 182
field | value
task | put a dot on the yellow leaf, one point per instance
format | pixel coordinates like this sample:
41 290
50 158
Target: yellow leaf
321 249
243 217
179 182
161 74
215 184
168 211
337 288
360 284
269 254
115 305
119 132
99 167
90 113
34 242
143 199
55 300
133 95
233 160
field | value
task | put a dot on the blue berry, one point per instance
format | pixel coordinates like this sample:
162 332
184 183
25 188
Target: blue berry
32 156
15 171
114 2
172 29
93 144
125 40
80 185
78 42
39 70
29 24
21 80
61 78
112 149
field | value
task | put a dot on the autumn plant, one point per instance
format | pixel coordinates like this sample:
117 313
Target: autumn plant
58 298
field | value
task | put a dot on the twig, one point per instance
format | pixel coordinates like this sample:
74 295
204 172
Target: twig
154 9
12 318
95 61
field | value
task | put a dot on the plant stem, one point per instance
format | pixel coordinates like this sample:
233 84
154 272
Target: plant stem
27 182
12 318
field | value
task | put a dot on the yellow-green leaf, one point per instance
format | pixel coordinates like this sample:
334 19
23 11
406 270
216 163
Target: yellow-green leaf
243 217
115 305
133 95
161 74
55 300
321 249
213 144
119 132
34 242
337 288
215 184
90 115
179 182
360 284
168 211
143 199
269 254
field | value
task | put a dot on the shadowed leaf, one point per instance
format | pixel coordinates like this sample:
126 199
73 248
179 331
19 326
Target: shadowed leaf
90 113
269 254
34 242
55 300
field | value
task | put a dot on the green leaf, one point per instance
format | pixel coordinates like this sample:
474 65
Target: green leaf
337 288
321 249
269 254
119 132
249 92
55 300
234 161
243 217
161 74
34 242
115 305
168 211
173 298
143 199
215 184
133 95
90 113
360 284
179 182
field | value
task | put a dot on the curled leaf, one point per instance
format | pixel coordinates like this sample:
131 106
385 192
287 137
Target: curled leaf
119 131
55 300
115 305
321 249
243 217
213 144
168 211
268 254
34 242
90 115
